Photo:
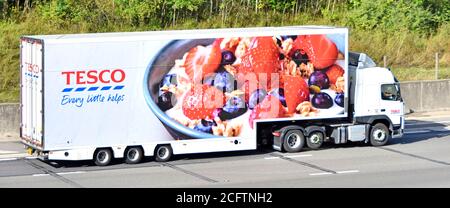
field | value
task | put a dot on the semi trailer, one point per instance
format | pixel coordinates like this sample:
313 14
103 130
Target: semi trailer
161 93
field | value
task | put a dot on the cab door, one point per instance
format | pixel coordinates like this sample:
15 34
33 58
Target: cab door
391 103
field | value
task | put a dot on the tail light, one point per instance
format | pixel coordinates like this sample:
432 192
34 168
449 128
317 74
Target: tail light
276 133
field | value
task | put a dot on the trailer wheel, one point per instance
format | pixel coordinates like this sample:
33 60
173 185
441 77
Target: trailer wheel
293 141
163 153
315 140
379 135
133 155
102 157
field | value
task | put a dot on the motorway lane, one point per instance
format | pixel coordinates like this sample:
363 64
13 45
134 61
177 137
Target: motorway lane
420 159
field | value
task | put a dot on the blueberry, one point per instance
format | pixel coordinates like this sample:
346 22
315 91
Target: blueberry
205 126
228 57
339 99
319 79
281 56
168 80
293 37
256 97
166 100
322 100
279 93
224 81
234 107
299 57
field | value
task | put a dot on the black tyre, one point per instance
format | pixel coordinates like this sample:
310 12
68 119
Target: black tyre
379 135
293 141
315 140
102 157
133 155
163 153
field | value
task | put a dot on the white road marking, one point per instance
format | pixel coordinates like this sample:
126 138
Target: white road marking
8 152
294 156
40 175
428 129
348 171
8 159
62 173
30 157
69 173
417 132
14 155
338 172
289 156
425 123
316 174
271 158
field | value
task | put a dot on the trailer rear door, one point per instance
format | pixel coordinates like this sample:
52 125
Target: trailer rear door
31 100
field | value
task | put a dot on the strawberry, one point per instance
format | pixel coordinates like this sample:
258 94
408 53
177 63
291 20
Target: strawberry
201 61
321 51
334 72
295 91
270 107
261 57
201 101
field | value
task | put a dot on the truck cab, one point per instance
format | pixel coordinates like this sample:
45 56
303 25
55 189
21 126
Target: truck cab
375 112
375 94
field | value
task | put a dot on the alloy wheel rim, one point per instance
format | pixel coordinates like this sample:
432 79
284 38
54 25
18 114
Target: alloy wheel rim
379 135
162 153
293 140
315 139
133 154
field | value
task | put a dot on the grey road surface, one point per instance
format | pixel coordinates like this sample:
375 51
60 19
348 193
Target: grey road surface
420 159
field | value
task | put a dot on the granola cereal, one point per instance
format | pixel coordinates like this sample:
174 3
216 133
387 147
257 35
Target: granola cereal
242 47
340 85
228 129
287 45
229 43
306 70
306 109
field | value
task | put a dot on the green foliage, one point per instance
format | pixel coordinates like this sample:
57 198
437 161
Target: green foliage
421 16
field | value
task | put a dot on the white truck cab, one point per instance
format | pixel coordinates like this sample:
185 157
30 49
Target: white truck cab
387 104
375 112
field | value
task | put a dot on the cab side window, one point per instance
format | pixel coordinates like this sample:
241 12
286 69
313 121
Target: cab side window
390 92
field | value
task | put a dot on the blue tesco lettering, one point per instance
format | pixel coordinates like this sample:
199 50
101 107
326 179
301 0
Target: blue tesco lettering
116 98
77 101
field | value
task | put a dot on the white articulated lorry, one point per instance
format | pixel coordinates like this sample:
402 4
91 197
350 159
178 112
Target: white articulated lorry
129 95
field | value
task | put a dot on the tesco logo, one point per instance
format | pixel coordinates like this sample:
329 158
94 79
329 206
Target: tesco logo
105 76
33 68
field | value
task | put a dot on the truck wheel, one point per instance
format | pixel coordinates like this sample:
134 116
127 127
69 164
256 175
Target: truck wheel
315 140
163 153
103 157
133 155
379 135
293 141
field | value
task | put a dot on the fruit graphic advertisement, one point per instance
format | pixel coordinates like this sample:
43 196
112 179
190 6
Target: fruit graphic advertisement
221 87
